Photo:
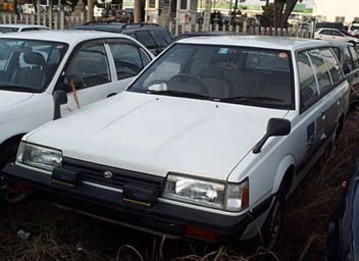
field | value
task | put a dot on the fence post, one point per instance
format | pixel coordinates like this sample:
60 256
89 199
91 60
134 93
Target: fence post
56 21
244 30
177 27
196 27
62 20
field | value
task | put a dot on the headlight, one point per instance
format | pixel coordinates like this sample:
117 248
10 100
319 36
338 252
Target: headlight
231 197
38 156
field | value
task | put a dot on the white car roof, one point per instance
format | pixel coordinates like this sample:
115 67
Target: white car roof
70 37
269 42
23 26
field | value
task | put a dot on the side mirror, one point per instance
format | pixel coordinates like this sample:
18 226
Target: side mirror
60 98
275 127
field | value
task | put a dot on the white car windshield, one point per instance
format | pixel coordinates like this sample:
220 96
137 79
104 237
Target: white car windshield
240 75
28 65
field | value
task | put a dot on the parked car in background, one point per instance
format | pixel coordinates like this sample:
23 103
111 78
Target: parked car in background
349 59
343 234
338 25
334 35
156 38
353 27
11 28
206 34
40 70
206 143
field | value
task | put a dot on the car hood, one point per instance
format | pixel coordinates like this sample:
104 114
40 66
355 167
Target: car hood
157 134
8 98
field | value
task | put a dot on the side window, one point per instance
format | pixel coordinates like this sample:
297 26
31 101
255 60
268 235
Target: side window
146 39
326 32
332 65
128 59
308 86
89 67
354 54
348 61
321 72
335 33
162 38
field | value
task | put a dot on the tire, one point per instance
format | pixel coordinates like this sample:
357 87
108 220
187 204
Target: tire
11 192
272 225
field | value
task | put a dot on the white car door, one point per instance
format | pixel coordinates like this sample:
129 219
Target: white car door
310 122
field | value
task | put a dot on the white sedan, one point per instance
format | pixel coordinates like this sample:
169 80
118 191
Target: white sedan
41 70
11 28
334 35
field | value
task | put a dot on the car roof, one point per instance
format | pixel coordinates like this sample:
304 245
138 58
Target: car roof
65 36
328 28
211 33
113 27
270 42
23 26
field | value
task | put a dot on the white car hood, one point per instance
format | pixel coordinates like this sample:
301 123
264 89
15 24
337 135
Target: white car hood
8 98
157 134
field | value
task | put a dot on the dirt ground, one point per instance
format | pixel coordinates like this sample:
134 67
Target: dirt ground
55 234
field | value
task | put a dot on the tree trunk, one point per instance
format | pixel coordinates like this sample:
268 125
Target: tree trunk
282 11
288 10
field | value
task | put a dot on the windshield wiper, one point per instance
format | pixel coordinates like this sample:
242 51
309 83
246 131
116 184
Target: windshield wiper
250 99
179 94
16 88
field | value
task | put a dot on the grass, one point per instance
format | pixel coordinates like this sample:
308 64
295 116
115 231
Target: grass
60 235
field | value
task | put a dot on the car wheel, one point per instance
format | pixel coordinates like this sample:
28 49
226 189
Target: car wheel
272 226
9 191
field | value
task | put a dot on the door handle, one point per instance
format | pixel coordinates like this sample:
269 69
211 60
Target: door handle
338 102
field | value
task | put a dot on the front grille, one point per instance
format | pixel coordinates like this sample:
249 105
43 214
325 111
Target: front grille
94 173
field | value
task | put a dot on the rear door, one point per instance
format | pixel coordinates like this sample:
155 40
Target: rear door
310 121
351 59
334 95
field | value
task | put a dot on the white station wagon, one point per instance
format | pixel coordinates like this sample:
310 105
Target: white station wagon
38 69
206 143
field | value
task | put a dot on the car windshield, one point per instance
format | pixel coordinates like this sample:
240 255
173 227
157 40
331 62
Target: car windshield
231 74
28 65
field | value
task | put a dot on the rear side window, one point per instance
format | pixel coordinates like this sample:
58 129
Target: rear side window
348 61
321 71
354 54
332 65
309 93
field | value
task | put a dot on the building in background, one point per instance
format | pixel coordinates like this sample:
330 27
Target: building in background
336 11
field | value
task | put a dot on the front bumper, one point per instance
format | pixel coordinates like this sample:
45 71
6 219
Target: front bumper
154 216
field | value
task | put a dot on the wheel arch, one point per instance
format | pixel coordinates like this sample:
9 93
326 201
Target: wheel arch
11 140
284 175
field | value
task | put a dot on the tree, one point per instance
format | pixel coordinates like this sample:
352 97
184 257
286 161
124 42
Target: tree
266 19
282 11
